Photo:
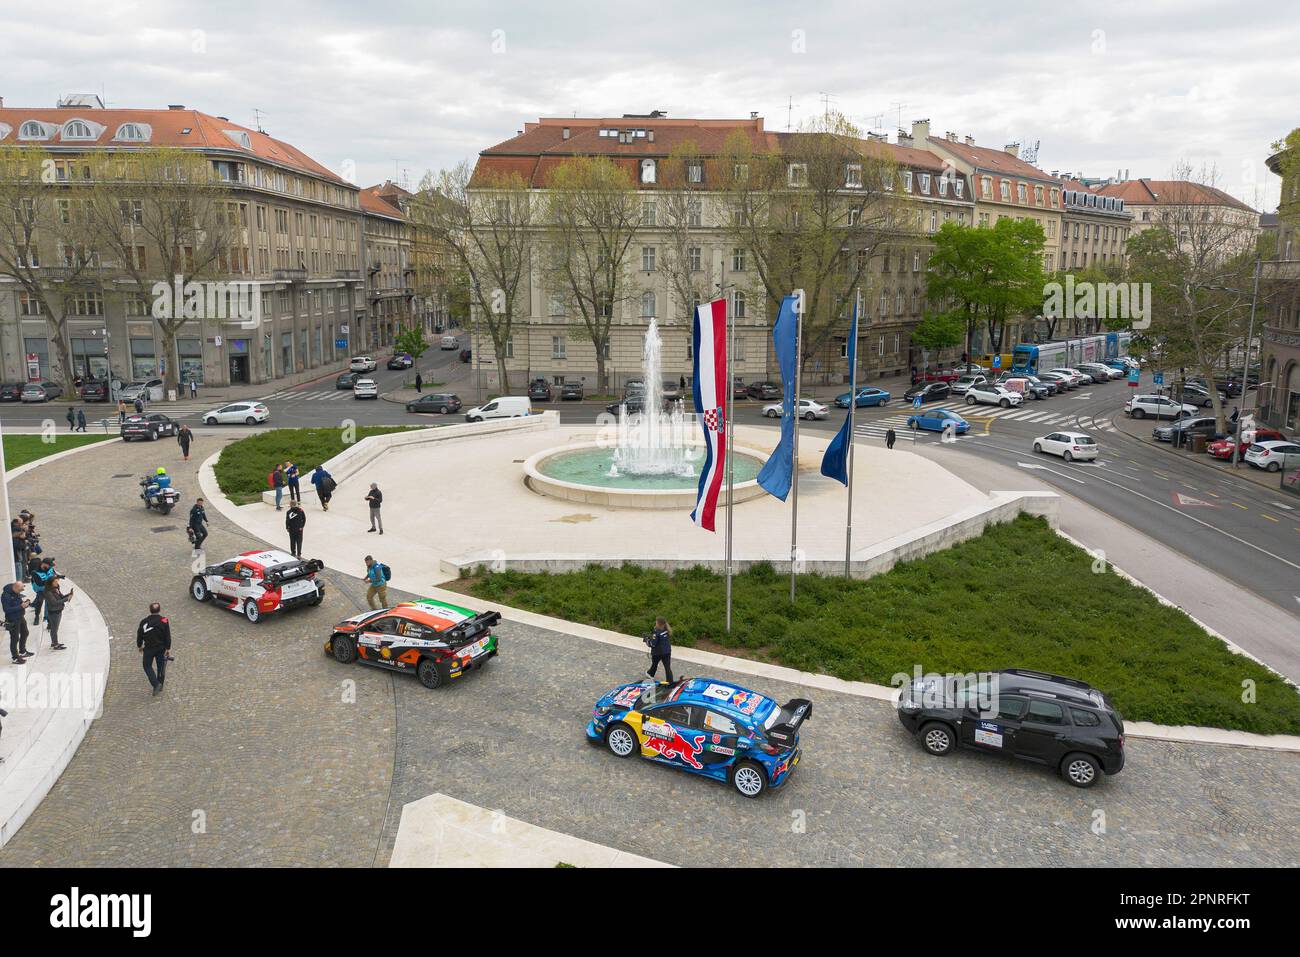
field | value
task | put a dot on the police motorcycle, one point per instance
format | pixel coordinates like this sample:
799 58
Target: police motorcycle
157 492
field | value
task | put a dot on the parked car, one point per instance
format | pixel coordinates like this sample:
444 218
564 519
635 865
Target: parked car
942 375
1059 722
151 390
808 409
1068 445
149 425
704 726
41 391
966 381
365 389
1076 377
449 342
1193 394
11 391
466 355
671 390
738 388
1063 383
1224 448
1027 385
986 393
1180 432
938 420
1272 456
503 407
249 413
571 389
440 402
539 390
346 380
929 392
866 397
401 361
1157 406
363 364
1099 372
764 391
94 390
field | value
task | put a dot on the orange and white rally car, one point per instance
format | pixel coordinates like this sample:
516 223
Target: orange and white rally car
259 583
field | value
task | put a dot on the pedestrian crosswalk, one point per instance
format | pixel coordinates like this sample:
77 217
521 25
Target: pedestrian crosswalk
877 428
309 395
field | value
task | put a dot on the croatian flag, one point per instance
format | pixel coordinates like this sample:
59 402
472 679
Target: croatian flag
711 405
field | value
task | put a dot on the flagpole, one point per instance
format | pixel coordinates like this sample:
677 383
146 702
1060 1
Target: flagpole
853 408
728 436
794 411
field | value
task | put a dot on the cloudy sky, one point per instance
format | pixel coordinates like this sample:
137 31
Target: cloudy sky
400 86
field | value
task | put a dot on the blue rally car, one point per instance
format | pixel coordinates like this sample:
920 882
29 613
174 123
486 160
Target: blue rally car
866 397
705 726
937 420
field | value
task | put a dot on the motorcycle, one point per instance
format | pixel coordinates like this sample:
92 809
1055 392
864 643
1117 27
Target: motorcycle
163 499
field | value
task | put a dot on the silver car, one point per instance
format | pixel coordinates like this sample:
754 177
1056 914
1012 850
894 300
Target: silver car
1274 455
808 409
41 391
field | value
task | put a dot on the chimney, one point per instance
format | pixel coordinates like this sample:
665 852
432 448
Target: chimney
175 106
1013 149
921 130
2 102
970 141
753 114
950 136
904 138
564 133
650 135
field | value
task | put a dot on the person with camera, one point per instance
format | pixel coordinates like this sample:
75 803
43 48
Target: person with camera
661 649
153 636
55 600
15 606
42 573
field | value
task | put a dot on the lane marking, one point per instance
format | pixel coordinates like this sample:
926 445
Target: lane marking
1280 505
1188 500
1044 468
1240 506
1268 516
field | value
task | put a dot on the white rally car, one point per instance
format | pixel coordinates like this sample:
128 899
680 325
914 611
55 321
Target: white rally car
259 583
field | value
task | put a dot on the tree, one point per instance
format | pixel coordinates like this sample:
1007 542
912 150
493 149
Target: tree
937 331
486 222
592 217
411 341
162 215
812 215
989 275
48 245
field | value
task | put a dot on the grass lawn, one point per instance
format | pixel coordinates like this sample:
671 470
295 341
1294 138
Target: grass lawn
21 449
242 469
1018 596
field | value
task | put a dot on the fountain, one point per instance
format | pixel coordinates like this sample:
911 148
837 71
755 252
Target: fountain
650 459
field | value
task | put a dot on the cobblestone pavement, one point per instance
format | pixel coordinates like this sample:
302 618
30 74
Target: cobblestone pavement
257 739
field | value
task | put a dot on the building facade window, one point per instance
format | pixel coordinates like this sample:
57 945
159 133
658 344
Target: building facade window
558 347
647 259
647 305
144 360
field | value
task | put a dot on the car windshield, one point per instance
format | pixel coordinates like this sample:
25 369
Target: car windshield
1083 440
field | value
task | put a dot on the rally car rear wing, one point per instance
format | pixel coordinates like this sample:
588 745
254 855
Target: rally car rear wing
470 629
793 714
290 571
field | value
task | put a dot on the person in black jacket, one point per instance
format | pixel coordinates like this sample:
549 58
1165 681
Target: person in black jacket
375 499
198 524
16 622
153 637
183 438
294 520
661 649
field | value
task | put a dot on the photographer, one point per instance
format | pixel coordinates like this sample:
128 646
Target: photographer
55 599
16 622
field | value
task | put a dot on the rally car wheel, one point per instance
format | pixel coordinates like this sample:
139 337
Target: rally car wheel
1081 770
937 738
343 649
621 740
429 673
251 611
748 778
199 589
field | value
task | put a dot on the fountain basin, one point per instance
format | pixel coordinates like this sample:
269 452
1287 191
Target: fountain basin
574 472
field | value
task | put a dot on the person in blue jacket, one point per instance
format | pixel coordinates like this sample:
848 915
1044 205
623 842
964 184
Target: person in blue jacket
325 485
661 649
41 577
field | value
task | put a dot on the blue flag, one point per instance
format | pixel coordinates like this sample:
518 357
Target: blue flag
835 463
776 473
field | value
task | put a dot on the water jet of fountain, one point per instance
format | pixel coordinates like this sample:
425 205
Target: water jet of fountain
651 442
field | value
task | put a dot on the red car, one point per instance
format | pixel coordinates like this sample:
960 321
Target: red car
1223 448
942 375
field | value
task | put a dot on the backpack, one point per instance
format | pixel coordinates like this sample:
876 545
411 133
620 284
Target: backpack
328 484
270 479
386 572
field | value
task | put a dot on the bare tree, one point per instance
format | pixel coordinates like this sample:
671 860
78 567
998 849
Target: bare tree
48 245
486 223
592 217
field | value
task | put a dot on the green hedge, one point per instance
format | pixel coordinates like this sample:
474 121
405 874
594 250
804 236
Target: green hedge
1018 596
243 466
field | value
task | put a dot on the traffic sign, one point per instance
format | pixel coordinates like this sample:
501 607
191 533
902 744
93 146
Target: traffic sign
997 362
916 403
1158 378
1133 376
340 343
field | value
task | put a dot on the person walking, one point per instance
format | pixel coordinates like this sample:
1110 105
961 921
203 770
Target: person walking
376 583
72 419
890 437
14 604
292 478
121 410
198 526
277 483
81 419
139 405
153 636
194 385
183 438
55 599
419 383
41 577
661 649
375 499
294 520
325 486
681 385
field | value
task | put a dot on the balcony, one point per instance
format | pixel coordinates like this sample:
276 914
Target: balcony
289 275
353 274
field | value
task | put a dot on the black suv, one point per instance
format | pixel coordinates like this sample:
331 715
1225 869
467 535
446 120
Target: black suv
539 390
1181 432
94 390
571 389
1063 723
764 391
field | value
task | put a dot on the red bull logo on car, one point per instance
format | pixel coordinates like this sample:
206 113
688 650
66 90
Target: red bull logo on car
668 742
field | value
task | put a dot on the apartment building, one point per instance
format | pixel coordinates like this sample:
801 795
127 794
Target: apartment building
297 241
390 294
1094 227
1279 384
1184 207
550 344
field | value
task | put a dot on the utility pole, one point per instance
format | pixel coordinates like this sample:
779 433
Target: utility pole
1245 370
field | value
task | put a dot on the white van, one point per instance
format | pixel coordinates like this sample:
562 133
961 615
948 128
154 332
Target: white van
506 407
450 342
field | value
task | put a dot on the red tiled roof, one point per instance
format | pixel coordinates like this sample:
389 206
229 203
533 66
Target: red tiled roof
1171 192
997 161
168 128
373 202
